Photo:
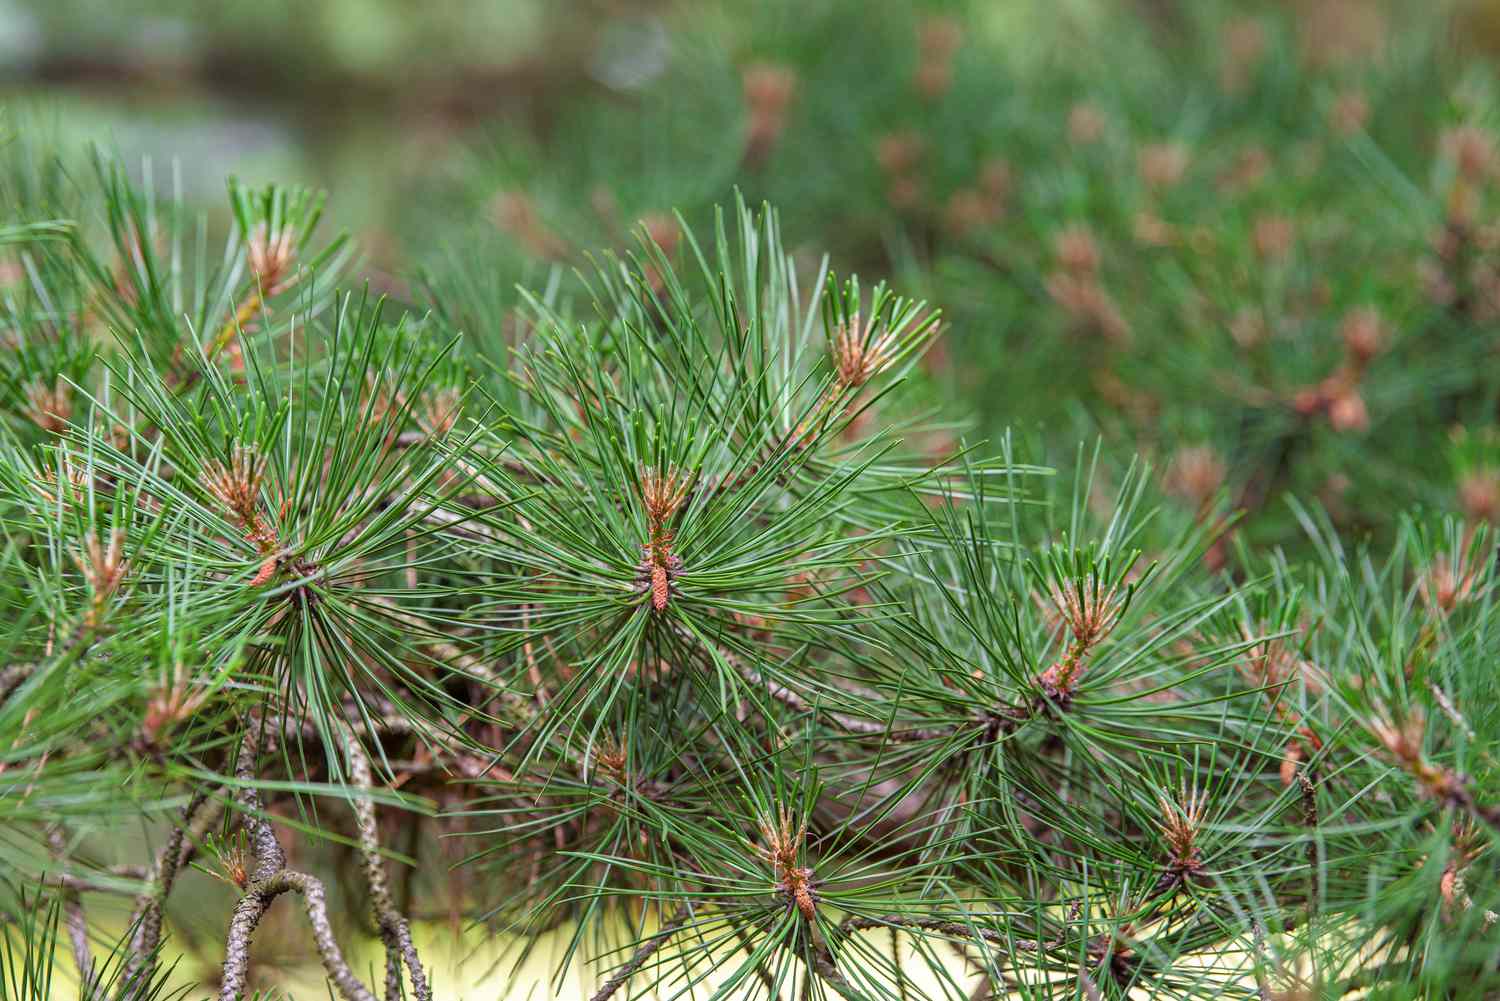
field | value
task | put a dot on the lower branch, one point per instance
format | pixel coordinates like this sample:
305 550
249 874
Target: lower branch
395 932
269 880
645 952
73 916
146 919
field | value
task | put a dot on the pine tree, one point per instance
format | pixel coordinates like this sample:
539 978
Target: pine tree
660 609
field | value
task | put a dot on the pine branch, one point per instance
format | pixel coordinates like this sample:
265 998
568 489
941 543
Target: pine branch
147 917
268 879
73 915
395 932
622 976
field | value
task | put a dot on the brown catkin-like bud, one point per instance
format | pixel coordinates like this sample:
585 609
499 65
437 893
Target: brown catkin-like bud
768 90
1472 151
1363 333
1195 474
899 152
660 586
858 354
1250 168
967 209
265 573
997 179
1162 165
1273 237
781 842
271 254
1085 123
1244 46
1479 495
49 408
1076 250
661 495
1347 410
938 38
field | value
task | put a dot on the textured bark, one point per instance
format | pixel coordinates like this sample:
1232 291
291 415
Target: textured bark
395 932
269 880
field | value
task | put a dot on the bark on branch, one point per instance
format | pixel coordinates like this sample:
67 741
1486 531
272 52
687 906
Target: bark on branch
269 879
395 932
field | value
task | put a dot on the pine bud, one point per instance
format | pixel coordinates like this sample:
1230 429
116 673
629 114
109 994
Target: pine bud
1479 495
1363 333
1085 123
1195 474
1162 165
1472 151
49 408
781 844
1273 237
859 355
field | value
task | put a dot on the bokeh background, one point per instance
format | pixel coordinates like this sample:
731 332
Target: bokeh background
1253 244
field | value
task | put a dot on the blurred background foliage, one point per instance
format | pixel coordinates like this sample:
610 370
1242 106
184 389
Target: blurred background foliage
1249 240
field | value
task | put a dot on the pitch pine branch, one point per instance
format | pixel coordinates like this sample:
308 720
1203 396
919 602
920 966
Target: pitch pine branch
146 918
270 879
622 976
395 932
73 916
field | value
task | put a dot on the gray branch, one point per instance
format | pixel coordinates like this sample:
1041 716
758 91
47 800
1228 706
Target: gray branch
73 916
269 880
395 932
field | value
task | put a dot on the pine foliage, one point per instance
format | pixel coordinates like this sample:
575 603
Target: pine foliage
638 606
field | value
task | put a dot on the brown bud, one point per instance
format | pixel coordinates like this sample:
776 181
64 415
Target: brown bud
1076 250
1244 45
1472 151
49 408
1273 237
899 152
1195 474
1249 169
1479 495
768 91
997 179
1347 411
1085 123
1162 165
1363 333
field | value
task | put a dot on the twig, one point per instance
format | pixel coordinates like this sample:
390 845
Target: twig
269 880
1307 780
146 918
646 951
1262 982
12 677
824 965
851 724
73 916
395 932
